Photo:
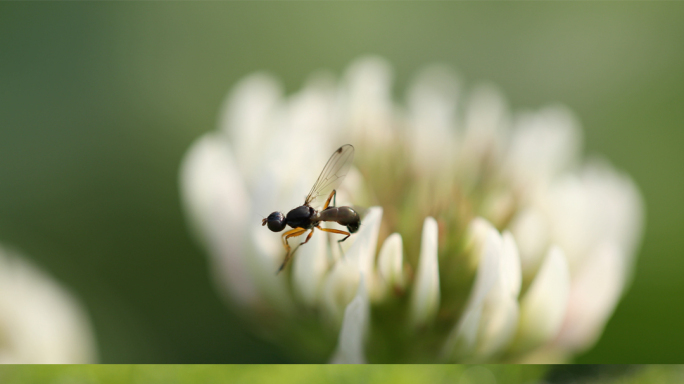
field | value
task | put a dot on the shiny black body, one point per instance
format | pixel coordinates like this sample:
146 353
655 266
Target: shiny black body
307 218
342 216
275 221
301 217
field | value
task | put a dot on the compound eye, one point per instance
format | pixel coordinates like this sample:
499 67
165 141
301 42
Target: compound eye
276 221
353 228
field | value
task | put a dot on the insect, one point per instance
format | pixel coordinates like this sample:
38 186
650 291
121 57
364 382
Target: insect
307 218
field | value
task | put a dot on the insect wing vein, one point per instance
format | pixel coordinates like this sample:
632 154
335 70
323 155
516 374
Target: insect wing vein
331 176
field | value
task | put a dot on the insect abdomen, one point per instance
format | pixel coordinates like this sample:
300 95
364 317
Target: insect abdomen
343 216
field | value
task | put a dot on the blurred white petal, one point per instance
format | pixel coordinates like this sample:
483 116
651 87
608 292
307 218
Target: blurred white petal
619 207
214 195
350 347
500 319
309 269
542 145
339 288
462 341
484 133
511 266
357 261
488 248
485 121
594 206
500 307
40 322
476 237
246 116
594 293
543 306
490 317
531 230
390 266
368 100
432 111
365 243
425 295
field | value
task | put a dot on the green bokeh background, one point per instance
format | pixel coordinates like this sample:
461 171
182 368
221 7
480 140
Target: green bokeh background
99 101
338 374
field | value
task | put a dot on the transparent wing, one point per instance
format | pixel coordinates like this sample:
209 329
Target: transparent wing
331 176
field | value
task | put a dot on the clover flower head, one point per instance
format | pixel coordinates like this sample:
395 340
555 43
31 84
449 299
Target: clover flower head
487 238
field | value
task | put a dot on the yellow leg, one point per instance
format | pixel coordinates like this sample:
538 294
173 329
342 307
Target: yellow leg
307 237
327 202
335 231
291 233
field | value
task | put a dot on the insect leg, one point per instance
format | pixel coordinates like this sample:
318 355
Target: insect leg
333 194
307 237
291 233
335 231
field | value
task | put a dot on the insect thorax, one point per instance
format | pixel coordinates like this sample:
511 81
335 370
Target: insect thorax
300 217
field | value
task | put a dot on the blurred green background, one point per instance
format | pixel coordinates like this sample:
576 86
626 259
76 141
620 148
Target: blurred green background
338 374
99 101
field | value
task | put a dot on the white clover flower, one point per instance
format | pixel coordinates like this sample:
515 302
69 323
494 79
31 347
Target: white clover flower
40 322
488 238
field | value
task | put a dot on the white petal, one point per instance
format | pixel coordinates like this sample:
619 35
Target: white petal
425 296
432 102
362 251
572 220
476 237
595 206
500 306
618 208
500 318
342 282
339 288
390 266
462 340
488 269
483 134
301 136
510 266
40 322
531 230
594 293
486 119
543 306
247 117
488 287
351 343
213 195
543 144
309 266
309 115
368 101
263 255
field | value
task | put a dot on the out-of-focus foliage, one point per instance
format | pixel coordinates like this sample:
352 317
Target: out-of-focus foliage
334 374
622 374
256 374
